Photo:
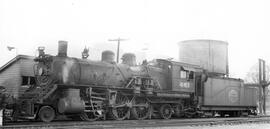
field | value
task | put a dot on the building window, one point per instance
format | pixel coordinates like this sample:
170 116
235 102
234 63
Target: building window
27 80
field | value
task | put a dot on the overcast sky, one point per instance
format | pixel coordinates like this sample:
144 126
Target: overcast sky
156 24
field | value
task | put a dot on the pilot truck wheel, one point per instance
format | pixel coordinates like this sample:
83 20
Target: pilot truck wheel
46 114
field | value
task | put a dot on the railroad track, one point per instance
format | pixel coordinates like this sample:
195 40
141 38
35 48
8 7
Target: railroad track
137 123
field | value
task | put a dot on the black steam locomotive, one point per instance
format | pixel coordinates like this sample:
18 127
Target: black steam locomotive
95 90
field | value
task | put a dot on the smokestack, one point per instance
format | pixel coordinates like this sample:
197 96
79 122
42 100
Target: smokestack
62 48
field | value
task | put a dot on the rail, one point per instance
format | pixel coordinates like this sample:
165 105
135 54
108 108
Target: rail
140 123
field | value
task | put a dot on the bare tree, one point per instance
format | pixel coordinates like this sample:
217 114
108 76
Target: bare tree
253 74
253 77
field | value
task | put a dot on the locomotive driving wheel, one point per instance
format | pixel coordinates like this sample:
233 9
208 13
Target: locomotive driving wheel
141 108
120 110
166 111
46 114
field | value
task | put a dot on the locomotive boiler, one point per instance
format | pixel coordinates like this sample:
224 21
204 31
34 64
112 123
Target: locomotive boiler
92 90
65 70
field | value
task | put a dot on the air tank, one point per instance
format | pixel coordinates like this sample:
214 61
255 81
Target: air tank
212 55
107 56
71 102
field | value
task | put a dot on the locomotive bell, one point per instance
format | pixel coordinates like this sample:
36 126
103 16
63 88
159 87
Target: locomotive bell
62 48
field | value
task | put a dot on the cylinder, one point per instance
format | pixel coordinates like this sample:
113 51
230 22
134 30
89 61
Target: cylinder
129 59
71 102
212 55
62 48
107 56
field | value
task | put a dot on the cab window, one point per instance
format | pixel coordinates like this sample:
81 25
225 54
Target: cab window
191 75
183 74
186 74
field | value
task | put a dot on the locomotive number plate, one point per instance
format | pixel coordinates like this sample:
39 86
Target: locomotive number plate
184 85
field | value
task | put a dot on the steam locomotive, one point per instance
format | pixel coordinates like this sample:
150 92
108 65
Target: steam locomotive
96 90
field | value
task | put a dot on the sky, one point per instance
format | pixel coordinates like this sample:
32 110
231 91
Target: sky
157 25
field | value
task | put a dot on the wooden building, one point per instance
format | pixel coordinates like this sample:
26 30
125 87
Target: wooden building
17 74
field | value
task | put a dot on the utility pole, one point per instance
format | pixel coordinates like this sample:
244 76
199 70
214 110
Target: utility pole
262 82
118 46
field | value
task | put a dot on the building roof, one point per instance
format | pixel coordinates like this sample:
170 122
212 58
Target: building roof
15 59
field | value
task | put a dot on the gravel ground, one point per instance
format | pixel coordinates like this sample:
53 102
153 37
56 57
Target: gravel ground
240 126
221 123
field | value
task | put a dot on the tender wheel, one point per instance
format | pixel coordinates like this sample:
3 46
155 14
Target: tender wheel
179 111
165 111
190 113
120 110
46 114
141 108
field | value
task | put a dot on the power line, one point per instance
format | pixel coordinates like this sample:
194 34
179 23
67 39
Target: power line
118 46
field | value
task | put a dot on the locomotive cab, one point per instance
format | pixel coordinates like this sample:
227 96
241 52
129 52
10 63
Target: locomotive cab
179 76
